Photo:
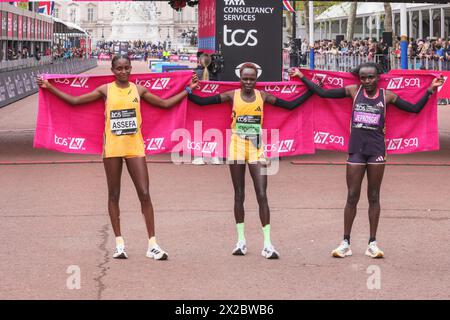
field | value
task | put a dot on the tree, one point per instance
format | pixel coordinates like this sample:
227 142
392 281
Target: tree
351 20
387 17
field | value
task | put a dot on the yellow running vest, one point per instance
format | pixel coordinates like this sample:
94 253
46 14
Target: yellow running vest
122 136
247 129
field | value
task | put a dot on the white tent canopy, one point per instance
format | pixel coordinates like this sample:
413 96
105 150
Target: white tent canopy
342 10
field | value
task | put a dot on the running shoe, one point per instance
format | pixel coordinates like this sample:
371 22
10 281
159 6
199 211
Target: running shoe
342 251
120 253
373 251
198 161
270 253
215 160
157 253
241 249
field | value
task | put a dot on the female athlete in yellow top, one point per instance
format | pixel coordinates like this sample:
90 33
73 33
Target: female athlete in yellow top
246 147
123 140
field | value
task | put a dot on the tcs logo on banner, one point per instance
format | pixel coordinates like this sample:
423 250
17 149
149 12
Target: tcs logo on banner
287 89
73 143
79 82
154 144
281 147
158 84
210 88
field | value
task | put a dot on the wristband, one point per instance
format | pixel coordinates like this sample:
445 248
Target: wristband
188 90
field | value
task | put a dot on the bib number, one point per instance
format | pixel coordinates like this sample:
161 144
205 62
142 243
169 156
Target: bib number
248 126
123 122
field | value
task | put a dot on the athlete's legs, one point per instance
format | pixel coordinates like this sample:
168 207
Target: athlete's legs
260 184
137 167
374 178
238 177
355 175
113 169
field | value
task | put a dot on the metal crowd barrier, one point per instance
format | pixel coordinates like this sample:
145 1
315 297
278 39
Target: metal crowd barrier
345 63
9 65
15 85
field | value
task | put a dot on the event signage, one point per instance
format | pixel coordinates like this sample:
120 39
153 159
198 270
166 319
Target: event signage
250 31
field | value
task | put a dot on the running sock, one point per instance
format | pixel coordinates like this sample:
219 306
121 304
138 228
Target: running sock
347 238
240 231
152 242
120 241
372 239
266 231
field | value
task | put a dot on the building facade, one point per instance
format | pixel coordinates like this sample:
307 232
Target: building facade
97 17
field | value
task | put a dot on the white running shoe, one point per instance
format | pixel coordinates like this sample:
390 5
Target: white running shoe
120 253
373 251
342 251
240 249
157 253
198 161
215 160
270 253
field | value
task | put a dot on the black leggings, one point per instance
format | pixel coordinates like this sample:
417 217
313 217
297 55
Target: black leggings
260 183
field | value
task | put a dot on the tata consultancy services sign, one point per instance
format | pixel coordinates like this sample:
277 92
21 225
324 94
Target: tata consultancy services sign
250 31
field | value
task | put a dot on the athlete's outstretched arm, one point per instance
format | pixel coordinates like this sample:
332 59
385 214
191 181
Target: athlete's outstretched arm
167 103
419 105
218 98
289 105
70 99
330 93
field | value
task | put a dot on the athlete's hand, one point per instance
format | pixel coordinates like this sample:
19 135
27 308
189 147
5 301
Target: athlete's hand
294 72
437 82
194 82
41 82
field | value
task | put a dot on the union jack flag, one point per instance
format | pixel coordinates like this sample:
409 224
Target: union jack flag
288 6
46 7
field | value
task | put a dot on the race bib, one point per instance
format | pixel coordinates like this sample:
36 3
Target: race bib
123 122
366 117
248 125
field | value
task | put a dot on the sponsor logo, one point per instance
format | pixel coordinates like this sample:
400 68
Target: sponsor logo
287 89
238 69
402 82
135 100
161 84
210 88
74 143
402 143
281 147
258 109
61 80
79 83
144 83
248 37
327 138
204 147
155 144
325 79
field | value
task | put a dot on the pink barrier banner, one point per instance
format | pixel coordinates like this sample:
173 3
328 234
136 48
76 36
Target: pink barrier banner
79 129
405 132
205 130
285 132
443 91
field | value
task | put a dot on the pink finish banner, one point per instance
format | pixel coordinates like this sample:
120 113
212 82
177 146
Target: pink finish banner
205 130
443 91
183 128
405 132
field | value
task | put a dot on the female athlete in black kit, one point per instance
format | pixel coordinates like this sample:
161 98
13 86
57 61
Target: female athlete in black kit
367 149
